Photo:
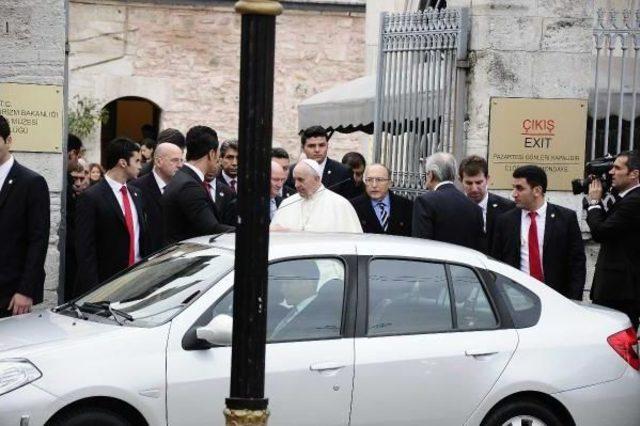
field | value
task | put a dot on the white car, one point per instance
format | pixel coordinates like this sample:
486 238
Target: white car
362 330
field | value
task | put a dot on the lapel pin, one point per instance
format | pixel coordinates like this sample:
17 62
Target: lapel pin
328 172
135 194
553 215
10 181
221 194
495 205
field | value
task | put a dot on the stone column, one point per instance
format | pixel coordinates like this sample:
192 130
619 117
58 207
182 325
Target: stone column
32 40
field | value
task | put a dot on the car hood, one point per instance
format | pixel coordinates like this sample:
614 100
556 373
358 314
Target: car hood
30 332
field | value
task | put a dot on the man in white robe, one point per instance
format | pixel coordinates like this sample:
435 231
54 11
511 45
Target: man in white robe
314 208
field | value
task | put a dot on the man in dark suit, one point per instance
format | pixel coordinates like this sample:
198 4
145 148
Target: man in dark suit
75 185
228 175
540 238
474 175
277 178
225 199
167 160
280 156
357 164
381 211
111 221
444 213
616 281
188 209
24 231
335 176
169 135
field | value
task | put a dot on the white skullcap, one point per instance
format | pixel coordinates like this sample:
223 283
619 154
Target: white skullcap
314 166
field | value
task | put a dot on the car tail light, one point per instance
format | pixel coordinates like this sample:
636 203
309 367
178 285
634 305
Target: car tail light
624 343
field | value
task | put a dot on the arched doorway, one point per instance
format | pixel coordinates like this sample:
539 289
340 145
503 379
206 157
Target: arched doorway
127 116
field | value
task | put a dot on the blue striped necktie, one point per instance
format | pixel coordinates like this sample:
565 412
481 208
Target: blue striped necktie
384 217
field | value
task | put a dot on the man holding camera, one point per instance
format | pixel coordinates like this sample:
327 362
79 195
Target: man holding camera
616 282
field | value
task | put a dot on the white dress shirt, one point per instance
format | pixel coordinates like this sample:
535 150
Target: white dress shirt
228 179
623 193
115 187
483 205
161 183
525 223
212 189
5 169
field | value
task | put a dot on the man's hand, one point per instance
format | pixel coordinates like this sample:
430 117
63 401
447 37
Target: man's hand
595 190
20 304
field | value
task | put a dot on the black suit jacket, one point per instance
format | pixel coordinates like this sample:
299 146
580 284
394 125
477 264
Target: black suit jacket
151 194
226 202
563 258
145 169
24 234
220 182
102 239
617 273
496 206
188 210
336 177
446 214
400 215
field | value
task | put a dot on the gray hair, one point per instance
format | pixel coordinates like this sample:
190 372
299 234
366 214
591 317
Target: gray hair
442 165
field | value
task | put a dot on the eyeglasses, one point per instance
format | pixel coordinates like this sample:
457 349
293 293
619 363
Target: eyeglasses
371 180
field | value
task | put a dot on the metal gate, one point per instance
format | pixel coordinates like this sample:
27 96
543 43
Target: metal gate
613 103
420 92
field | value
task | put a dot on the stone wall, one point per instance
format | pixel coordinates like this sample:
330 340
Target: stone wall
186 59
33 52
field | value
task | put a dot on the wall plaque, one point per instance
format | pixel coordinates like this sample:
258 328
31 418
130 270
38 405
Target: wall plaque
35 113
550 133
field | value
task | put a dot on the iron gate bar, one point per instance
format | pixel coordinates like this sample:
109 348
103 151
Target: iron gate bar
611 27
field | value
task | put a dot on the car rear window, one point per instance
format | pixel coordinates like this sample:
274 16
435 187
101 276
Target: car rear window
523 305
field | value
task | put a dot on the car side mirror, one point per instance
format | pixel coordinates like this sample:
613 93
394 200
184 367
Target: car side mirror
218 332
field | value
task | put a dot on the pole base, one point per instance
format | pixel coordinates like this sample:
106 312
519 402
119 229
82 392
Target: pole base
236 417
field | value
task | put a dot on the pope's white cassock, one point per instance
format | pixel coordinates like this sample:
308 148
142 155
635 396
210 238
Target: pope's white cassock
324 211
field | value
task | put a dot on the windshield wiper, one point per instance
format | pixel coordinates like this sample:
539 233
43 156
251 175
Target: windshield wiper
105 306
71 304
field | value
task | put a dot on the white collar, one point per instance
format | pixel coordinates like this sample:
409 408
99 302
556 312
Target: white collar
197 170
623 193
161 183
442 183
320 189
484 202
4 169
322 166
114 184
542 211
228 178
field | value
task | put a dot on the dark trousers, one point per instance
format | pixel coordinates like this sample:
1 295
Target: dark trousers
629 307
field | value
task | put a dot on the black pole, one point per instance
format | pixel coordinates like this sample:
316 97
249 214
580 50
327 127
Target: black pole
246 404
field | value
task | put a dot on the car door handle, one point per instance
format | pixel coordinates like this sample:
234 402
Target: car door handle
325 366
480 352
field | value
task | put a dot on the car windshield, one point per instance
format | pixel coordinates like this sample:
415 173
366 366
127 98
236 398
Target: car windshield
160 287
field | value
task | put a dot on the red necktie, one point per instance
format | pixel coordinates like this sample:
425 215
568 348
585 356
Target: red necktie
535 265
207 187
128 219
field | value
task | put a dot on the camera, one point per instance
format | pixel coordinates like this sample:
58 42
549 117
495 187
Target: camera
597 168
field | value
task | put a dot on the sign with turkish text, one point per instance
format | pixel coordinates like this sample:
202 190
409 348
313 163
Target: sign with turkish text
35 113
549 133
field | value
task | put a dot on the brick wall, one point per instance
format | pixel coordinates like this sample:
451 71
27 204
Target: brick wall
186 59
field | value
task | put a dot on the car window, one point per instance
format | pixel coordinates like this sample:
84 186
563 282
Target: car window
304 302
161 286
407 296
473 310
523 305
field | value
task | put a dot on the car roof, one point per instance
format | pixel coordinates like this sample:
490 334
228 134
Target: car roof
289 244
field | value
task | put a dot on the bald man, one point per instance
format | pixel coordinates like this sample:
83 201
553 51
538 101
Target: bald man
278 176
314 208
379 209
167 159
